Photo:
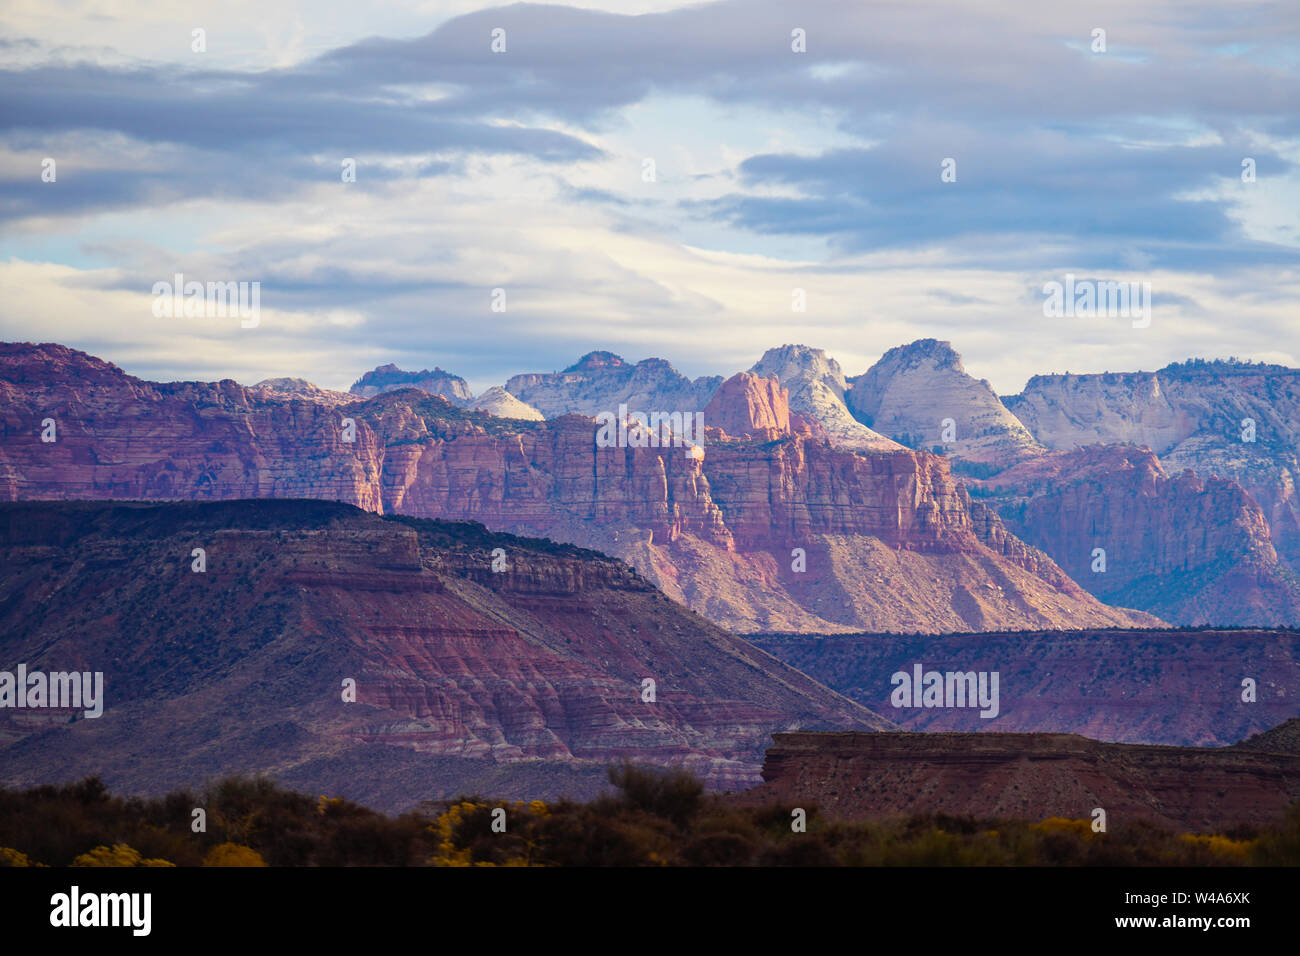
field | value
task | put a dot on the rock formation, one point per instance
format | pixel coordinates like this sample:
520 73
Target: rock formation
300 388
816 385
1228 419
1194 549
539 665
388 378
1282 739
919 394
888 540
748 406
499 403
1028 776
1188 549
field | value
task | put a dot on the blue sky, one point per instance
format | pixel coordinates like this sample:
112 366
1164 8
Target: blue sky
524 170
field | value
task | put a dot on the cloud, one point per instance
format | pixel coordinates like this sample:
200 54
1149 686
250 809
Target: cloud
522 170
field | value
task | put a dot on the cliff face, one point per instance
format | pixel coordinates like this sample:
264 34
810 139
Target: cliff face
718 536
457 666
917 389
888 540
1140 686
817 386
748 406
1188 549
1192 416
1027 776
120 437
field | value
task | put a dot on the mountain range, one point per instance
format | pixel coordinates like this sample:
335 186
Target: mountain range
396 660
908 498
773 529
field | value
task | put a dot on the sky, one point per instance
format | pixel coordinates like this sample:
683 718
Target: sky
653 178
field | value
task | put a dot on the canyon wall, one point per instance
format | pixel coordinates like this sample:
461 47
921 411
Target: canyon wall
1189 549
888 539
1234 420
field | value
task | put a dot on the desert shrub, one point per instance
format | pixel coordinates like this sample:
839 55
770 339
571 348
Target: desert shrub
1080 828
672 794
175 842
374 840
1217 849
232 854
54 825
586 835
1280 846
1059 848
10 857
464 835
117 855
656 818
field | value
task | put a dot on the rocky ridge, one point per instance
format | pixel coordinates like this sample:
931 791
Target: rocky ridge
499 403
888 539
300 388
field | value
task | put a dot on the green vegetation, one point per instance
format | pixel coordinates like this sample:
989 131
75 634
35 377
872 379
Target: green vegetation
655 818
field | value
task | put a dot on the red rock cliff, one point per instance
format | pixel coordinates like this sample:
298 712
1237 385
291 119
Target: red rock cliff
891 539
1190 549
